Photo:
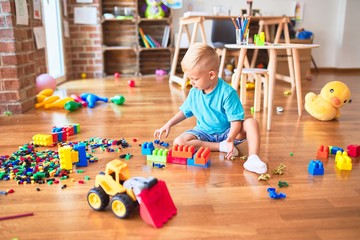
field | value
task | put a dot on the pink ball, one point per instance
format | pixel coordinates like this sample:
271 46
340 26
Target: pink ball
44 81
131 83
116 75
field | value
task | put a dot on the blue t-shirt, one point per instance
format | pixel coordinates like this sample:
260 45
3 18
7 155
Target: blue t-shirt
213 111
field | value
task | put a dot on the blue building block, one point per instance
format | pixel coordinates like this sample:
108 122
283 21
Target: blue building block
316 167
147 148
191 162
80 148
273 194
334 149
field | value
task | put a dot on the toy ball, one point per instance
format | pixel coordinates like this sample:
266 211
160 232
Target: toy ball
131 83
326 106
45 81
83 75
116 75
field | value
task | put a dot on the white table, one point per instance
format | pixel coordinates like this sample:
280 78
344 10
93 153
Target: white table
272 70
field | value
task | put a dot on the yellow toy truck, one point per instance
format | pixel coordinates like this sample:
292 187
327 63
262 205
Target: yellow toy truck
156 205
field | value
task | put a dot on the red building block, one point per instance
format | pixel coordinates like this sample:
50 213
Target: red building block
323 152
175 160
353 150
183 151
202 156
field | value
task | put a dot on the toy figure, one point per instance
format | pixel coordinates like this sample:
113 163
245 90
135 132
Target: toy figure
326 106
154 9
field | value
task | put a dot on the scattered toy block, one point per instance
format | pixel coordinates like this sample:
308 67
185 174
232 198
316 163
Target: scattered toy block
191 162
45 140
158 156
183 151
353 150
82 160
274 195
147 148
202 156
322 152
343 161
65 157
175 160
334 149
316 167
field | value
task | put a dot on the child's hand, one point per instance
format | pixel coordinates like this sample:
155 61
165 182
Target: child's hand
230 148
158 132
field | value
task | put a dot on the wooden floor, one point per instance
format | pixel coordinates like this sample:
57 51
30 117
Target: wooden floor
222 202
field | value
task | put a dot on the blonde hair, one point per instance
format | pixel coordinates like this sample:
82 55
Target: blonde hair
202 56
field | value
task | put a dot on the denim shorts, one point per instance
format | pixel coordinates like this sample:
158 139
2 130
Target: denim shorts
203 136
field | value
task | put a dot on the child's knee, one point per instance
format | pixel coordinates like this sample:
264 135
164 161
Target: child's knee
179 141
251 122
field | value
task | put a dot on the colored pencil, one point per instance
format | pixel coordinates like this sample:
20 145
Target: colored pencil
16 216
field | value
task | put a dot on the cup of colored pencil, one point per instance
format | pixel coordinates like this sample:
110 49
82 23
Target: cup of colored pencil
242 30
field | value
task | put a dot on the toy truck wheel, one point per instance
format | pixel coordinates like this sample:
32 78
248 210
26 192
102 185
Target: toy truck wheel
98 199
122 205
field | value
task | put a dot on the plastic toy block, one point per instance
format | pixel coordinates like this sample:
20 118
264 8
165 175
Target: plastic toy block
65 157
273 194
183 151
45 140
191 162
158 156
343 161
74 156
80 148
353 150
157 206
76 128
282 184
147 148
334 149
202 156
323 152
54 137
175 160
158 165
316 167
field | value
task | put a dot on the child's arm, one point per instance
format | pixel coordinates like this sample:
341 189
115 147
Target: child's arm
179 116
235 127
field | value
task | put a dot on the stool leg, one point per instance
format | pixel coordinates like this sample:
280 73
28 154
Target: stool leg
243 80
257 97
266 90
222 62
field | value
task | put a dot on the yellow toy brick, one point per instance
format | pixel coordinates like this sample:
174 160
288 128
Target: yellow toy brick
343 161
65 157
45 140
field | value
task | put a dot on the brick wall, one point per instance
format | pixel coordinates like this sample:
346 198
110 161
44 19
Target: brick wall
85 45
20 61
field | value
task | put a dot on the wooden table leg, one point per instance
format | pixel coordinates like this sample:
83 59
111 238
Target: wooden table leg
236 80
296 59
272 73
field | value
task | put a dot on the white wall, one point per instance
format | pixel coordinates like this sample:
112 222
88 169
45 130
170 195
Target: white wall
333 22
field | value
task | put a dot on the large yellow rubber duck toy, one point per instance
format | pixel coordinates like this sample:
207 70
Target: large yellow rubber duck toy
326 106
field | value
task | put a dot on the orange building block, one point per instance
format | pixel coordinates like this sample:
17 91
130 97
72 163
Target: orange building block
323 152
202 156
183 151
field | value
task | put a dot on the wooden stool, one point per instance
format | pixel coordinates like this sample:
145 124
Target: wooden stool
260 75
